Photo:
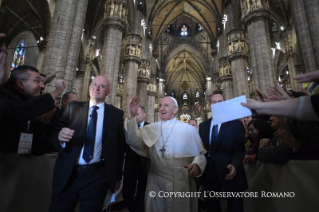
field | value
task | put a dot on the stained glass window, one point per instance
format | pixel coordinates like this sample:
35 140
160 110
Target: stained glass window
19 55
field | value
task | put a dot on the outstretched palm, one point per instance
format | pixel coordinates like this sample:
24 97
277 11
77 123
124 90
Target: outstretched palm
133 107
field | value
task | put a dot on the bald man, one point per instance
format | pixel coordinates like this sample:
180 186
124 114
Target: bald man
90 139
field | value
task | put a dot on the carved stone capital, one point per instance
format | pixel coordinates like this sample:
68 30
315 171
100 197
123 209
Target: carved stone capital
224 66
152 87
237 44
133 46
115 13
119 90
254 10
144 70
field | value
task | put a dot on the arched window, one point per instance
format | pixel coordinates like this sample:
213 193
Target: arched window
184 31
19 55
185 95
197 94
173 93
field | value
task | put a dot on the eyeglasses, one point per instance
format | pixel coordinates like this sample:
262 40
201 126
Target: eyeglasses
37 80
94 85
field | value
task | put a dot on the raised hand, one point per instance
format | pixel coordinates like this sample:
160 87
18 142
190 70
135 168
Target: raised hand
50 77
133 107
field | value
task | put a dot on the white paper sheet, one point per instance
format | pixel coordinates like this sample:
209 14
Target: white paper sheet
229 110
112 198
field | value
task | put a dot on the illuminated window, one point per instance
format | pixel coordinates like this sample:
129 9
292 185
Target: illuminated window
197 94
185 96
19 55
184 31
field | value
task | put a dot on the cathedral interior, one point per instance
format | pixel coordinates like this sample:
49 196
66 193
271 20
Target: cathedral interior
187 49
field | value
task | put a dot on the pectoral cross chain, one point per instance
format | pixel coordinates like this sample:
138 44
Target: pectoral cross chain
162 150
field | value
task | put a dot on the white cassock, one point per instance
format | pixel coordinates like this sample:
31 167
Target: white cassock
167 174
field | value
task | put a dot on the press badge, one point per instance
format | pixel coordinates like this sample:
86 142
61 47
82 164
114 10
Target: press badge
25 143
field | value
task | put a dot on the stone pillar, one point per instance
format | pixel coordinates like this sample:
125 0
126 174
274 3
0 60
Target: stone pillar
209 88
143 80
160 88
306 17
77 86
119 95
87 71
151 90
114 25
238 57
132 61
256 17
150 106
290 53
64 39
42 46
225 77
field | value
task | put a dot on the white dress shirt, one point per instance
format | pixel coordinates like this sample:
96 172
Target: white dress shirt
98 135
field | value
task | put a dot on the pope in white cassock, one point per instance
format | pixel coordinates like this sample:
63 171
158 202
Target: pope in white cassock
177 156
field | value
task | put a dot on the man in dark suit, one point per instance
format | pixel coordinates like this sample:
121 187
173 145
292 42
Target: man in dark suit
135 172
20 104
224 170
90 138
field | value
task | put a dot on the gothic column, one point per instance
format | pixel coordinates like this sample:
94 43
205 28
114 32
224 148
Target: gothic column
290 53
151 92
160 88
152 89
209 88
78 84
256 17
238 57
114 25
143 80
87 71
225 77
64 39
131 61
119 95
306 17
42 46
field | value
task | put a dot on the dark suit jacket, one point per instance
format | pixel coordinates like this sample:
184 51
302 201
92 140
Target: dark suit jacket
133 161
15 112
228 149
75 117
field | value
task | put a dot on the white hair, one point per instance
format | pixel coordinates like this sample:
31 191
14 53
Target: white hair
175 102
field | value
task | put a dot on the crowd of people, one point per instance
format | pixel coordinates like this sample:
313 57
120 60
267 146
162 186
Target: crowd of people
90 139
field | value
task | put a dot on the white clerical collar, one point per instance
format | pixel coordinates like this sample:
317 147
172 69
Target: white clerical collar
101 105
169 122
